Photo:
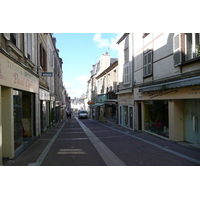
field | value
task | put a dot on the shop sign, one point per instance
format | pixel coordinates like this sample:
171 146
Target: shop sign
188 92
90 103
44 95
12 75
47 74
125 99
102 98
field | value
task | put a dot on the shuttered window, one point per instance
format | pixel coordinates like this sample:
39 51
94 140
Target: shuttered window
177 50
148 63
126 74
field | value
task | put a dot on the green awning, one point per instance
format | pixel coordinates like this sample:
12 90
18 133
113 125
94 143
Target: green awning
97 104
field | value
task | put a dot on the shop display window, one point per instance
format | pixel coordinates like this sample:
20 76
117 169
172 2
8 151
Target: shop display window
23 118
156 117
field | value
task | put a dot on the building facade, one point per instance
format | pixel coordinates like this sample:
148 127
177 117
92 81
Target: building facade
102 83
24 91
167 85
126 81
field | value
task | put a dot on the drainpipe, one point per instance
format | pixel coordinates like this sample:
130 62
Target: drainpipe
37 65
133 62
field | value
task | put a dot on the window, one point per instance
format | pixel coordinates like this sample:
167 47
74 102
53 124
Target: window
192 45
29 47
126 50
148 63
126 55
13 38
126 74
43 58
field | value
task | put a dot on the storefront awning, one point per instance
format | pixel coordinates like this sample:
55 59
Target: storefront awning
97 104
172 84
114 102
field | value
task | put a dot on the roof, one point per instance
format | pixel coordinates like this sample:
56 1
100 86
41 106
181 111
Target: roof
112 60
122 38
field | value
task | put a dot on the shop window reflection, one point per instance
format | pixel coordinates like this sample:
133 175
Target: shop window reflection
156 117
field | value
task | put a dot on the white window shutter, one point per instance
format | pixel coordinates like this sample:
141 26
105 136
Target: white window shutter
25 45
7 35
18 40
33 48
177 49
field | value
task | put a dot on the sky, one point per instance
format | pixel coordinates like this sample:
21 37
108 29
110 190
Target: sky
79 51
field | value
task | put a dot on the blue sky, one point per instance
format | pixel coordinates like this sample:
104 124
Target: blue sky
79 51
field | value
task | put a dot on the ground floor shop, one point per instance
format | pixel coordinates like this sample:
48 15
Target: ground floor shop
19 107
126 110
171 113
44 97
111 111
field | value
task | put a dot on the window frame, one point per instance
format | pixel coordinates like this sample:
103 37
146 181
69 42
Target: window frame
126 72
194 54
146 65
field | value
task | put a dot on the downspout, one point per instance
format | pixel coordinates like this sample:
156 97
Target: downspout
37 53
133 80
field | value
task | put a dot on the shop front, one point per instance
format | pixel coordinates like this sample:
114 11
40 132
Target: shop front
126 110
18 97
44 97
99 107
111 107
173 112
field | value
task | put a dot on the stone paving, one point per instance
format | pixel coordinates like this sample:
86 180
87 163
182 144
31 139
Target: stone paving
72 147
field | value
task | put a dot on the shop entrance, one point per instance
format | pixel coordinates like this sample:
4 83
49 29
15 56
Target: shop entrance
139 116
192 120
131 117
23 118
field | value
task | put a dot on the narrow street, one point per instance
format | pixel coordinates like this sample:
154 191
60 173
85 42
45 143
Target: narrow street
87 142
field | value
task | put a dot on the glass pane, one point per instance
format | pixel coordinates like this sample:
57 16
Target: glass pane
197 44
189 45
145 59
18 125
149 69
149 57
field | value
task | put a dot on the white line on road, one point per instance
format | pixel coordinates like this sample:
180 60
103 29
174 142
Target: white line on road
46 150
107 155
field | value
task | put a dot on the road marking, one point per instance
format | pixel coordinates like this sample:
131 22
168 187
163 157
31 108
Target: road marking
46 150
107 155
159 146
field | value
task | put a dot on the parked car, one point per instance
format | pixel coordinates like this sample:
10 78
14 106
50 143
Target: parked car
82 114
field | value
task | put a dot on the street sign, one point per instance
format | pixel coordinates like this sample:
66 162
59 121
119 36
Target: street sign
47 74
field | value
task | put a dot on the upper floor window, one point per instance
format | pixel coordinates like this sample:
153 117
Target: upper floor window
13 38
148 63
126 74
186 47
192 45
43 58
126 50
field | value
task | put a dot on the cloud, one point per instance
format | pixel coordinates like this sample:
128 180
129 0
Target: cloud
77 88
101 42
82 79
67 85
